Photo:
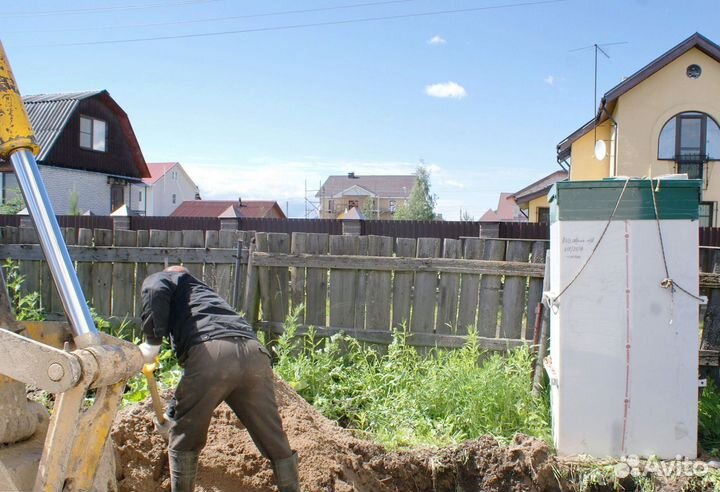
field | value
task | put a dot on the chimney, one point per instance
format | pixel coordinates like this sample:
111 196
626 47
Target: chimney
240 204
351 175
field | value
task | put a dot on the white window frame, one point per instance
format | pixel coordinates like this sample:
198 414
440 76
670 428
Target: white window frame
96 143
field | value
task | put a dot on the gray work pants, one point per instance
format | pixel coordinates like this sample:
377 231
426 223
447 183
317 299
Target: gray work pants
235 370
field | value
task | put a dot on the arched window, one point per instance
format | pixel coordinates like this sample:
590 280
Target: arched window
690 139
690 135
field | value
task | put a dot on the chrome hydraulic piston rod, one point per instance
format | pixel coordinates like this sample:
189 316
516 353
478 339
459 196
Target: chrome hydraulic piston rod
17 145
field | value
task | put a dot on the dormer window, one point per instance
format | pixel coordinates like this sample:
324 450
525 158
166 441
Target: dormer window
690 139
93 133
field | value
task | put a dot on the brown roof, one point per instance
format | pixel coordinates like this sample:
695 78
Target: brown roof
398 186
539 187
697 40
49 115
507 211
229 208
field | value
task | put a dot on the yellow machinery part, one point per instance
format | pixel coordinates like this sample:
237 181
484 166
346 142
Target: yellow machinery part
15 130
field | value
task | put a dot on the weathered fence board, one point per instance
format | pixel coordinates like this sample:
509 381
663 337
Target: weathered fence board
514 290
119 254
402 287
535 288
279 293
470 287
316 282
398 264
361 289
30 269
343 283
298 274
141 271
416 339
84 268
102 275
449 287
378 286
194 239
490 290
123 277
425 289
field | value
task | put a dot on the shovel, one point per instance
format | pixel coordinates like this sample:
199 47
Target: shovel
149 371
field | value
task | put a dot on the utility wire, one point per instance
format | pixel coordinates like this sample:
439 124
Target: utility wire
216 19
300 26
97 10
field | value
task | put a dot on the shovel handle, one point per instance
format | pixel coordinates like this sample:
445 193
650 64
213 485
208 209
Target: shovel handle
149 370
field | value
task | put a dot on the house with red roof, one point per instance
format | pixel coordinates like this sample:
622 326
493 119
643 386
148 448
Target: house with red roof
506 211
261 209
168 186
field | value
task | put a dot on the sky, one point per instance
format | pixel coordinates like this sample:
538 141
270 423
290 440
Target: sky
263 99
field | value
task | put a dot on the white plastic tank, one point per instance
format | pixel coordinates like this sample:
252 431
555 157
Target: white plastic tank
624 301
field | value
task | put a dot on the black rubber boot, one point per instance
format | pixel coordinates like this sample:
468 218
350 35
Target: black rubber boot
183 468
286 474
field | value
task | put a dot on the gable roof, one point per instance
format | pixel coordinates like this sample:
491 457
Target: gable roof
158 170
227 208
507 211
354 190
539 187
50 113
697 40
398 186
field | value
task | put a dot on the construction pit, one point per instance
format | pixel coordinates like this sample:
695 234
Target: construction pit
333 459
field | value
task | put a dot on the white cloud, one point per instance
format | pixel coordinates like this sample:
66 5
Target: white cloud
550 80
437 40
284 181
445 90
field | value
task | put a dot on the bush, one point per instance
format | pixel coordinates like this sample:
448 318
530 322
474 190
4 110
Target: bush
402 398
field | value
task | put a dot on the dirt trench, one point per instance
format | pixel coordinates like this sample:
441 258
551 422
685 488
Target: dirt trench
331 458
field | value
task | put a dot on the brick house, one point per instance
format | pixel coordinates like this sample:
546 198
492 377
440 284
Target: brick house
380 194
88 152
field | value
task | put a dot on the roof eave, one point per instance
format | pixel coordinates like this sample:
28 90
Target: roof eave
697 40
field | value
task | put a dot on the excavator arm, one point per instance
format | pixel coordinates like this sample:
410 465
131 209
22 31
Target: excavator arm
80 360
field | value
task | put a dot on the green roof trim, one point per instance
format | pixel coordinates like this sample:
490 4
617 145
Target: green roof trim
677 199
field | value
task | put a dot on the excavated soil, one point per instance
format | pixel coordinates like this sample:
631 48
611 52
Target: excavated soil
331 458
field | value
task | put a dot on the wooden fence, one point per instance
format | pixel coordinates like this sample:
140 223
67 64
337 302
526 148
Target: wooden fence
365 286
112 265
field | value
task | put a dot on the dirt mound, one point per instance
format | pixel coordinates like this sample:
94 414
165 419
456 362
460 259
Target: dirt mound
331 458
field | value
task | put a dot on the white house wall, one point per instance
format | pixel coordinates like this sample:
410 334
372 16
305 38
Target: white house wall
159 194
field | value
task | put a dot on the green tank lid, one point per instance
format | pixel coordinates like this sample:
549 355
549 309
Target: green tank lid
677 199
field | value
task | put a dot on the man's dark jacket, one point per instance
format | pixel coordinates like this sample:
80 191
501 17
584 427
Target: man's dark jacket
178 305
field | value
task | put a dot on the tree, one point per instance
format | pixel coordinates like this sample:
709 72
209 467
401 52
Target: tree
73 201
13 204
368 209
421 203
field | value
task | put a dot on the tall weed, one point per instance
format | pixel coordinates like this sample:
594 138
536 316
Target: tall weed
403 398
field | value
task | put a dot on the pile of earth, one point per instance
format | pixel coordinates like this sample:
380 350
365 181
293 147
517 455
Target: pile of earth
331 458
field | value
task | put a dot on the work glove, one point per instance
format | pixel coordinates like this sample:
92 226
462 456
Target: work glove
164 428
149 352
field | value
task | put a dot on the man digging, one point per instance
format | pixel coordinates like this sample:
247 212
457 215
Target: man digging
222 361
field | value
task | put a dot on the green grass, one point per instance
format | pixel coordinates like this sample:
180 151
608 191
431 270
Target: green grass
709 419
402 398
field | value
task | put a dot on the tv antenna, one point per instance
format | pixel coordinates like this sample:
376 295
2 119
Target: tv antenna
600 148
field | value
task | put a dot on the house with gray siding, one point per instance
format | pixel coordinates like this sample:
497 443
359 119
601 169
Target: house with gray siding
88 153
